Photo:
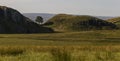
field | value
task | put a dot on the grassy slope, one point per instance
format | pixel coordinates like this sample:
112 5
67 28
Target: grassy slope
73 46
115 21
66 22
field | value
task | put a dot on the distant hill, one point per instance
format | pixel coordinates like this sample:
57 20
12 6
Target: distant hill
33 16
104 17
12 21
47 16
65 22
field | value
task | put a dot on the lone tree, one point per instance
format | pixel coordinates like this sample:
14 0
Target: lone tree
39 19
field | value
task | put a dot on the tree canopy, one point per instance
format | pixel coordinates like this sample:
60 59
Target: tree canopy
39 19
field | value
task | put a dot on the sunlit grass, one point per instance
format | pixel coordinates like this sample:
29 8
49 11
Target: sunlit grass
101 45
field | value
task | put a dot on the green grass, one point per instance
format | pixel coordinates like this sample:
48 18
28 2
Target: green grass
66 38
101 45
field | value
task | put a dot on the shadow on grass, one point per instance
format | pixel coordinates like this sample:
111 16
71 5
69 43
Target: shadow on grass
11 52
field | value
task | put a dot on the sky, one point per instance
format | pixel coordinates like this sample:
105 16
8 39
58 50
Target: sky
80 7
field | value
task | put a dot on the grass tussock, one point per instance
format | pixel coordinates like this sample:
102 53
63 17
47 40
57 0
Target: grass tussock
61 54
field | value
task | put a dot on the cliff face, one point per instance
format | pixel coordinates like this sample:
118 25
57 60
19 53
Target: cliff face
11 21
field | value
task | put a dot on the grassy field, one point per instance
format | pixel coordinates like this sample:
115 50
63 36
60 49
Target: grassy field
101 45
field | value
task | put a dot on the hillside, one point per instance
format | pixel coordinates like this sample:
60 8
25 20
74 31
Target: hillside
115 21
64 22
12 21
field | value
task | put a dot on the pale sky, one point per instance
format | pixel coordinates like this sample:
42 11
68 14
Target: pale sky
81 7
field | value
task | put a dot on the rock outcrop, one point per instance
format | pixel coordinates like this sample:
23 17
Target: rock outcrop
12 21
